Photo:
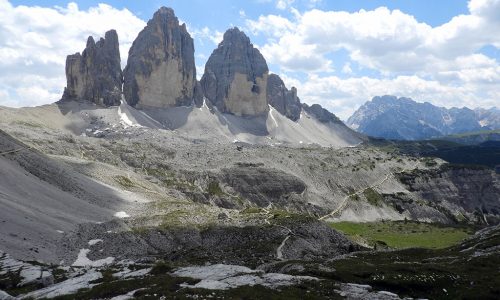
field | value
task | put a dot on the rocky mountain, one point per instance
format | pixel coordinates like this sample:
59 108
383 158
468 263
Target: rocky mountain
322 114
404 119
246 193
96 74
283 100
235 78
160 70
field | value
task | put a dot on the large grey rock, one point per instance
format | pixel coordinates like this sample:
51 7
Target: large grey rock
235 78
160 69
263 185
95 74
465 193
283 100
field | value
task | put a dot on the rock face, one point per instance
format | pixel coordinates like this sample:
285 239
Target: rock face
160 69
263 185
464 193
283 100
96 74
235 78
404 119
320 113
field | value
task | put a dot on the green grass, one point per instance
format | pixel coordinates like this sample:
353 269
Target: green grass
124 181
373 197
399 234
214 189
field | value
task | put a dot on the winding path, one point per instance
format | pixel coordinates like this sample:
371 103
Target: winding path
344 202
12 151
279 250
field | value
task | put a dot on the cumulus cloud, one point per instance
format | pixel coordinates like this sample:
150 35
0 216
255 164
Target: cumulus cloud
284 4
444 61
343 96
34 42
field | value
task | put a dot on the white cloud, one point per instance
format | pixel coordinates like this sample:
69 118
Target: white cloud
343 96
284 4
34 42
443 61
275 26
346 69
214 36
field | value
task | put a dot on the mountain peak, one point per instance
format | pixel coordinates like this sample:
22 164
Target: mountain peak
160 69
403 118
235 78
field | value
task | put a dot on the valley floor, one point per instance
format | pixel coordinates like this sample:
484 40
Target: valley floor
96 205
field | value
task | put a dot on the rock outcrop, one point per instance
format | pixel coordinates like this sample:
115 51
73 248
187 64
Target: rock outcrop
320 113
235 78
96 74
160 69
283 100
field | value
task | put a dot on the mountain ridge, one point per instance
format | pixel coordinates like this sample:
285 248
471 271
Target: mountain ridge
404 119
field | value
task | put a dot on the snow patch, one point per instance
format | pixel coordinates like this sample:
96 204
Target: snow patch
83 261
122 214
271 109
93 242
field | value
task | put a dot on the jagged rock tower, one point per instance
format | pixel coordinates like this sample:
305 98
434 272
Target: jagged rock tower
95 75
160 69
235 78
283 100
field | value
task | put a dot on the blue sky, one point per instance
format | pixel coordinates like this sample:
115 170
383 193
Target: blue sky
338 53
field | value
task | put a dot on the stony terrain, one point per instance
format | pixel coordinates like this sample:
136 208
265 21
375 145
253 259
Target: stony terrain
172 194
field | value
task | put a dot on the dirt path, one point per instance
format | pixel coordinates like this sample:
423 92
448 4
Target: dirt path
344 202
279 250
12 151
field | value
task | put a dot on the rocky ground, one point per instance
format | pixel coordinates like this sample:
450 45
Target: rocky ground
91 196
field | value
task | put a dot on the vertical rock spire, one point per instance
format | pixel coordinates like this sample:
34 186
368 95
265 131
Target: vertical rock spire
95 75
160 69
235 78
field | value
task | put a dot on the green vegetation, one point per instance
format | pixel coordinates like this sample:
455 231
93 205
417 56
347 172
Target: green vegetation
28 124
373 197
214 189
251 210
124 181
401 234
485 154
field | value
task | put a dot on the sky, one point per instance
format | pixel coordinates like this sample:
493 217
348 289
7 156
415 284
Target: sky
338 53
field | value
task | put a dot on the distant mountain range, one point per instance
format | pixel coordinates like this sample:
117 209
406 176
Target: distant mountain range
402 118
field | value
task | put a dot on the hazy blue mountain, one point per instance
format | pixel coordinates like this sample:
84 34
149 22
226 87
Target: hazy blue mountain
404 119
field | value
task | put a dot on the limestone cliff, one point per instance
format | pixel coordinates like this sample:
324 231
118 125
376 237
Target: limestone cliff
283 100
235 78
160 69
96 74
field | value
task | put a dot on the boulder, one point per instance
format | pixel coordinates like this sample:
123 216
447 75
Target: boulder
96 74
160 69
235 78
